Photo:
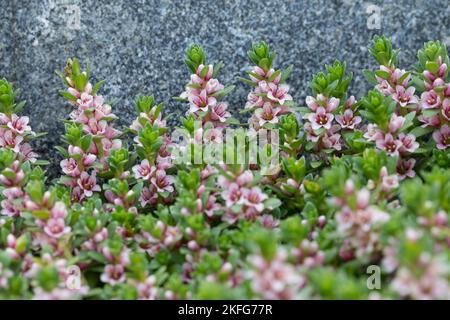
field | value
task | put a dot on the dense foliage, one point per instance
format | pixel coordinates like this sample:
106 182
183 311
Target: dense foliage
360 186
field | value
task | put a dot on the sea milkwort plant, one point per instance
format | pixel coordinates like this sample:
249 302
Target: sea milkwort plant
361 184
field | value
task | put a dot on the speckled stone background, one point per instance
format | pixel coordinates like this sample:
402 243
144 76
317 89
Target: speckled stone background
138 45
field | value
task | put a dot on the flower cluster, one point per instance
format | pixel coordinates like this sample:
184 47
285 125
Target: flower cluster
204 92
90 135
390 132
358 224
14 129
275 279
152 146
243 199
435 99
331 120
359 185
389 80
14 136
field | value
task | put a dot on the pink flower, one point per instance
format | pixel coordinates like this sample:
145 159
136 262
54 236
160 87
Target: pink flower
310 134
76 195
373 133
267 114
384 87
211 206
19 125
201 101
348 120
245 178
447 91
442 137
396 123
208 74
254 100
4 119
232 195
405 168
28 153
322 101
430 100
18 175
88 159
162 182
332 104
147 290
350 102
409 143
55 227
148 196
433 121
113 274
268 221
109 144
388 182
11 206
320 119
279 93
436 83
314 103
96 128
85 101
212 86
70 167
254 197
388 144
88 183
332 141
265 75
213 135
74 150
405 97
397 74
9 140
59 210
275 279
144 170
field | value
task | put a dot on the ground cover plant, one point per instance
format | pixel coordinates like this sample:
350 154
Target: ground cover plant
342 198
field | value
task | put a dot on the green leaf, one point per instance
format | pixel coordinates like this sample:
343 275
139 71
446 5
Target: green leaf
97 256
383 74
217 68
316 164
67 95
62 151
41 163
224 92
86 142
432 66
248 81
420 131
41 214
272 203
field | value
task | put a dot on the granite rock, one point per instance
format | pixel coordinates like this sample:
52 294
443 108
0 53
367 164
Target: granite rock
137 46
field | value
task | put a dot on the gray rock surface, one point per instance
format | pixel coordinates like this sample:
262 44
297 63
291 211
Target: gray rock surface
138 45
